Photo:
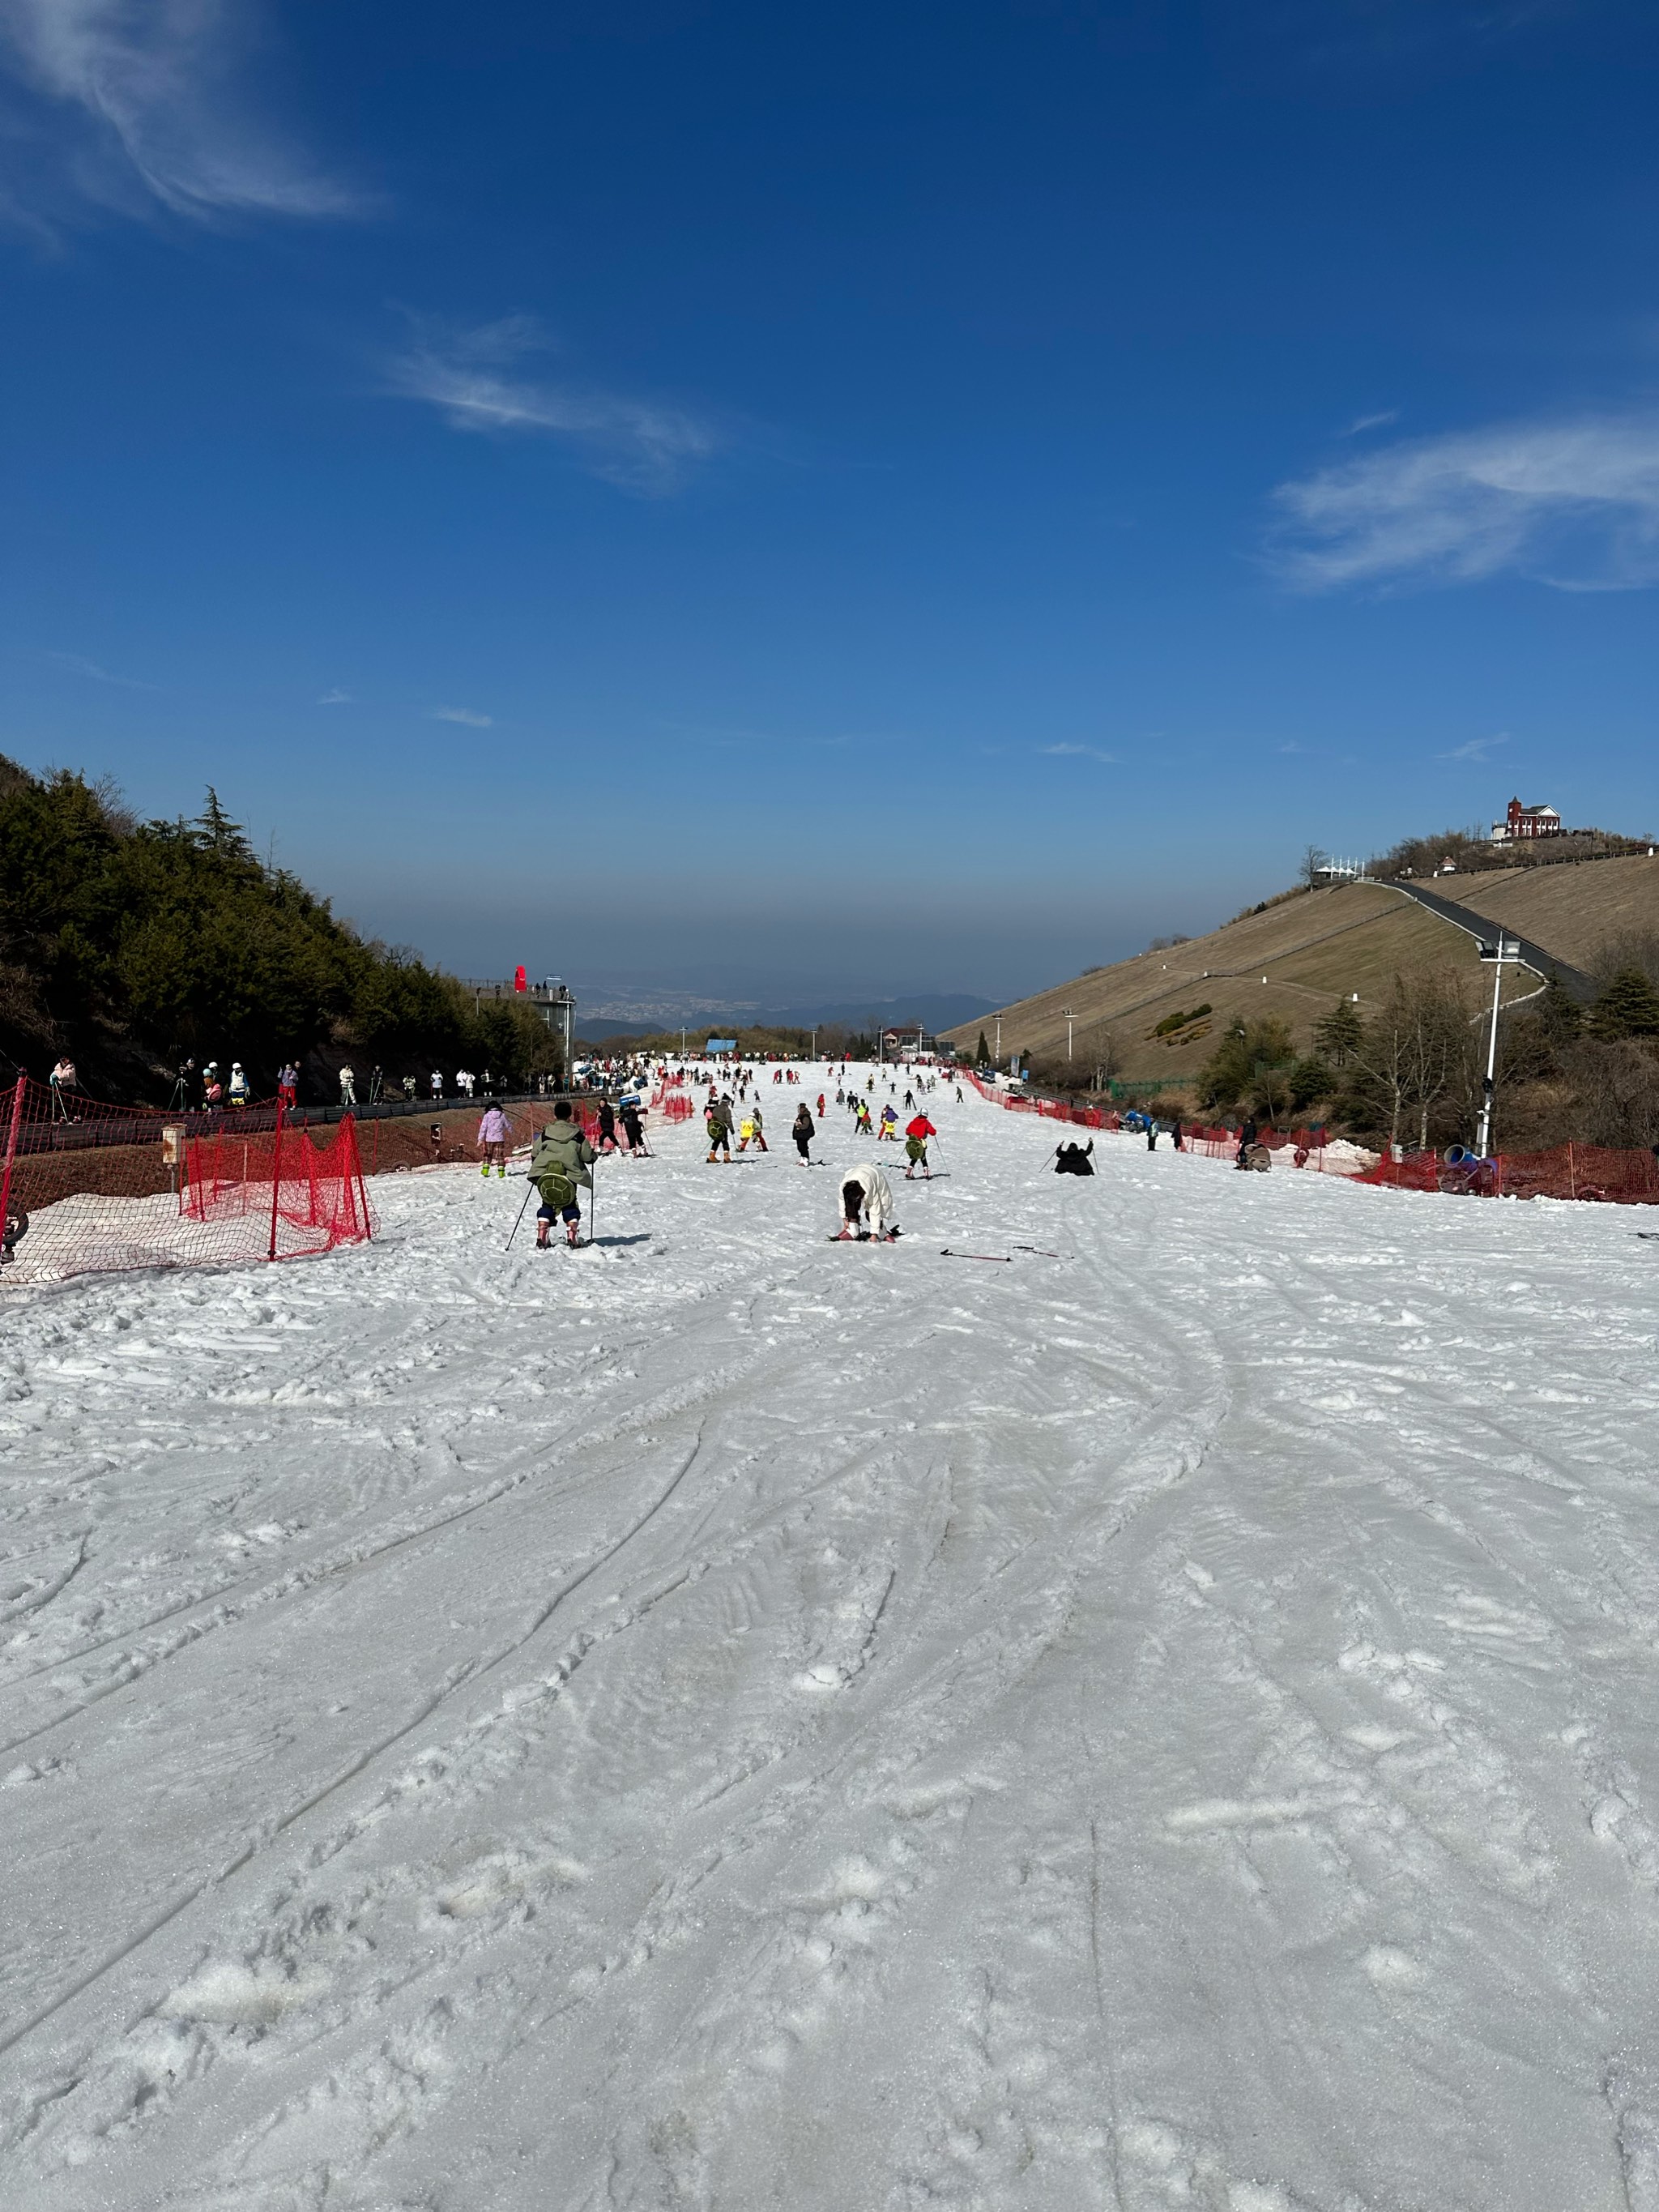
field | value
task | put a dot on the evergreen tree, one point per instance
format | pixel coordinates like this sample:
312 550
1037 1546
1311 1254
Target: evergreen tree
1627 1007
982 1057
1338 1034
1559 1015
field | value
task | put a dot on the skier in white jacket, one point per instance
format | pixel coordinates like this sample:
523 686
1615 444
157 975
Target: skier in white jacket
866 1205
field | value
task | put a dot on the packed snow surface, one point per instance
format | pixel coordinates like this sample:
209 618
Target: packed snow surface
716 1720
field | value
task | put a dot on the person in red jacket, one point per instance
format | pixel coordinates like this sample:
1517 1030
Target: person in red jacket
916 1133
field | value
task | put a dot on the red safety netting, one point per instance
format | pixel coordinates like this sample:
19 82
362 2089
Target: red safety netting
1600 1174
87 1188
281 1189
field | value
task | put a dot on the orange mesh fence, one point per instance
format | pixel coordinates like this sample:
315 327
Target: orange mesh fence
282 1190
1598 1174
1411 1171
89 1187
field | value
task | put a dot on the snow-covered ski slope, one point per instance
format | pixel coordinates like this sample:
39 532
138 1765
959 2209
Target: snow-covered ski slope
718 1721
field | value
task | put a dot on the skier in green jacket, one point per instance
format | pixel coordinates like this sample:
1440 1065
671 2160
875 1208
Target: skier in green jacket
559 1165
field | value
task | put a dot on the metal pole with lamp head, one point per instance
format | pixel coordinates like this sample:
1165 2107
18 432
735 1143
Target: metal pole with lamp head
1505 953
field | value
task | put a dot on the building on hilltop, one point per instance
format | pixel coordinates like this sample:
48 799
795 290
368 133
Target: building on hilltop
1523 822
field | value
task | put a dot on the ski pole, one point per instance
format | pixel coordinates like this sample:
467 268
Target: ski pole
508 1245
593 1198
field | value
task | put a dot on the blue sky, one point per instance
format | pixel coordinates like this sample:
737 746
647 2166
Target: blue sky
774 502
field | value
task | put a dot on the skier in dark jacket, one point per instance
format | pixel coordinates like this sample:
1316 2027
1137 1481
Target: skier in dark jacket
803 1130
559 1166
1246 1139
1074 1159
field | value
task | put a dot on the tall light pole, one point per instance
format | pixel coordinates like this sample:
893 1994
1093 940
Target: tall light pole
813 1048
1506 953
1068 1017
996 1049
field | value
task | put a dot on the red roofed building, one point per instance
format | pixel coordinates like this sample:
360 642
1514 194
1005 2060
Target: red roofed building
1526 822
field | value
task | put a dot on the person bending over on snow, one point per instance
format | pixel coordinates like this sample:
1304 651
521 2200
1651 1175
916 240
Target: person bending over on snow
889 1125
867 1206
916 1133
493 1134
803 1132
558 1167
1074 1158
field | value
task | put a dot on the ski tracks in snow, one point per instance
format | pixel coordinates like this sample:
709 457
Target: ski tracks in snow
720 1721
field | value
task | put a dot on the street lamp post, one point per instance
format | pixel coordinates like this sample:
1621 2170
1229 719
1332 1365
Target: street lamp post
1068 1017
996 1050
1506 953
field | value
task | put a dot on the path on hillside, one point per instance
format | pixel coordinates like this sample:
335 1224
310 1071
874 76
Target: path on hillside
1543 963
722 1720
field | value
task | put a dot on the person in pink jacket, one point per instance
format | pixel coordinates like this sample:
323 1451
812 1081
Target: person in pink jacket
493 1134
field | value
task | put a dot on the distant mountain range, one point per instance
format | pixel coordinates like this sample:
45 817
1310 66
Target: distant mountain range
931 1010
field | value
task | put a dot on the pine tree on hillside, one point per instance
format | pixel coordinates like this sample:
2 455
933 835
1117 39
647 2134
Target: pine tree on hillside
1628 1007
1339 1034
982 1057
1559 1014
217 834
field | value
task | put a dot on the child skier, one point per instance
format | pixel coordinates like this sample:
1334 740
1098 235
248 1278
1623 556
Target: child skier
559 1165
889 1125
493 1132
916 1133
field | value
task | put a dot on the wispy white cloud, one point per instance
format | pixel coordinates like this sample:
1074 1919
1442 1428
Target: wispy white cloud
79 666
335 698
1363 423
1080 753
469 715
1477 749
139 103
471 376
1571 504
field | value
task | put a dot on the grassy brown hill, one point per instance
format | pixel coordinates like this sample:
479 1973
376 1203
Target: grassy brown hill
1295 959
1572 910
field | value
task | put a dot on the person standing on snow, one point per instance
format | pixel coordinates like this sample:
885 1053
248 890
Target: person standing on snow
717 1114
239 1084
493 1132
867 1206
633 1127
889 1125
803 1132
916 1133
607 1126
559 1166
